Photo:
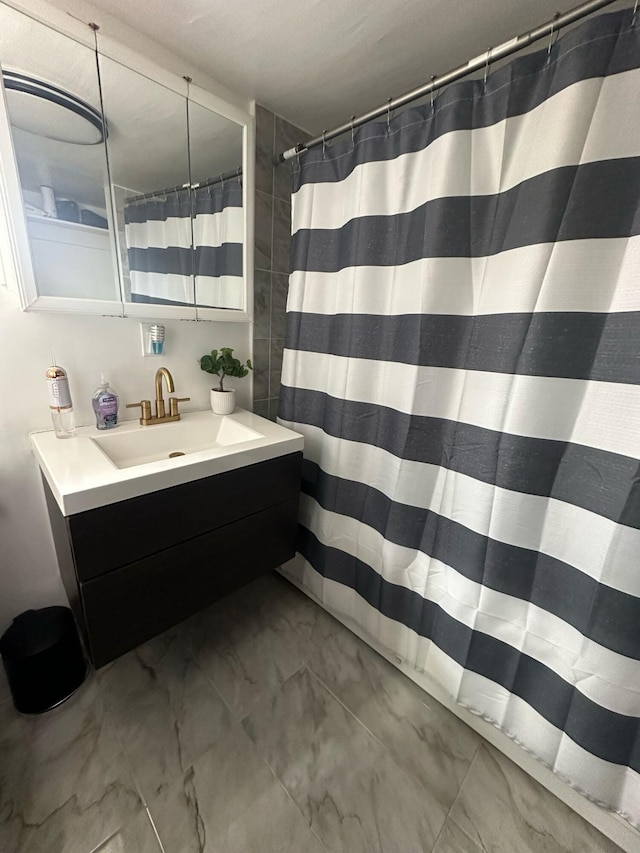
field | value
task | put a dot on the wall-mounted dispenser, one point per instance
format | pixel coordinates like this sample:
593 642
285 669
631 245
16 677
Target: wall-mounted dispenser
152 339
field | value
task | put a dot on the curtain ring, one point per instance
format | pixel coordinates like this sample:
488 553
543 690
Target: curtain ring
487 63
431 92
353 136
324 144
635 11
222 181
551 42
389 115
238 175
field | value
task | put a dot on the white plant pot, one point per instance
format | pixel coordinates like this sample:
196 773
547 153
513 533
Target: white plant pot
223 402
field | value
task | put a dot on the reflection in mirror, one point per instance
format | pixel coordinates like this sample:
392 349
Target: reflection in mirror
215 147
180 229
149 165
218 229
58 138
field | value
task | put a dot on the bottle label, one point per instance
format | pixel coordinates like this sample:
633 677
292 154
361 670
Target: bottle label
108 403
59 394
106 409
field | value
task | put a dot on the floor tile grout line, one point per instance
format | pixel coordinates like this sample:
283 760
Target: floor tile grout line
448 816
123 749
289 796
182 774
271 769
388 752
466 835
186 642
435 843
279 592
269 694
457 797
235 722
352 714
155 830
316 650
393 757
464 778
388 749
209 680
121 744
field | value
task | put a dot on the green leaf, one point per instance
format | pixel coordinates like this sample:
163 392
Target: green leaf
222 363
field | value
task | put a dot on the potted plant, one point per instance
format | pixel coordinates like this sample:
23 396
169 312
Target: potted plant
223 364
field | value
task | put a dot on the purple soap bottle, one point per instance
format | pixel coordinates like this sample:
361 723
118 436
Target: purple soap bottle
105 405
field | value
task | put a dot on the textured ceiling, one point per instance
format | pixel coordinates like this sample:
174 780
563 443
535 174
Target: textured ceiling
317 62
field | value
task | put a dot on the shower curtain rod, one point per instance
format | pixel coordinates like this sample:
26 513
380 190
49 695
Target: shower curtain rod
225 176
483 61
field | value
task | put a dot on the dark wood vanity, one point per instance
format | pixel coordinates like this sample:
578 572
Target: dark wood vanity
134 568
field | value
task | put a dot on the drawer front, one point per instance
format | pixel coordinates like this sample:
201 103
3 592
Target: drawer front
113 536
133 604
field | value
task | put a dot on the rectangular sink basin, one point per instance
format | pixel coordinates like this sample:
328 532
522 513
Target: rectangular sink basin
96 468
172 440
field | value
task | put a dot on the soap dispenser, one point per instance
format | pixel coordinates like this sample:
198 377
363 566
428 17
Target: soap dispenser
105 405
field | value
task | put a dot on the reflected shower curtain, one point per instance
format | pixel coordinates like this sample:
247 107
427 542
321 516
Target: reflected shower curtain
463 359
159 239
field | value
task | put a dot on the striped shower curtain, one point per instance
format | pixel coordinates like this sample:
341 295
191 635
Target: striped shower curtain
160 236
218 231
463 359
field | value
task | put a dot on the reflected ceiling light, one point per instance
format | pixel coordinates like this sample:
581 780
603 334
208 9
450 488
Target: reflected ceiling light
55 114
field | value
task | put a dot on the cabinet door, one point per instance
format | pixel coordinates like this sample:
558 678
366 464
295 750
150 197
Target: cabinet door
54 166
215 148
149 166
127 190
151 523
133 604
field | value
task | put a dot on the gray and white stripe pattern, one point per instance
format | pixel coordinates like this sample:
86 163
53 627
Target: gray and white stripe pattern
463 358
161 234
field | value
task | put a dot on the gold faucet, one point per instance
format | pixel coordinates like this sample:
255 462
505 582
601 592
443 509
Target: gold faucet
160 372
160 417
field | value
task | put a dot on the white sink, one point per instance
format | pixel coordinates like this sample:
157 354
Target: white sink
96 468
173 440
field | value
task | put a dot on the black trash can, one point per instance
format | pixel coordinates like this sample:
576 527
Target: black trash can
43 659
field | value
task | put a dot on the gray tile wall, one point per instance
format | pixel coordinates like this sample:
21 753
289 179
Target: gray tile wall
272 244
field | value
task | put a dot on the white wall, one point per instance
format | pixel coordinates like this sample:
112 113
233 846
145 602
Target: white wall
84 345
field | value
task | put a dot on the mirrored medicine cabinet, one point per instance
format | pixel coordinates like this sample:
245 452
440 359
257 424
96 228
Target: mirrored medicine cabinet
126 187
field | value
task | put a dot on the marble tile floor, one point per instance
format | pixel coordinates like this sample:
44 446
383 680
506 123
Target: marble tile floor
264 725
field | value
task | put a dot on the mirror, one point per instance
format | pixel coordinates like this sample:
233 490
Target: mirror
138 210
179 217
218 222
149 165
59 141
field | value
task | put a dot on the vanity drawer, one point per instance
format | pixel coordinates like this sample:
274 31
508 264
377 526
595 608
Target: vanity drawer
137 602
113 536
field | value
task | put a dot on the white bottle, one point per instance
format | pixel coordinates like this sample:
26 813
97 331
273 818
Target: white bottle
60 403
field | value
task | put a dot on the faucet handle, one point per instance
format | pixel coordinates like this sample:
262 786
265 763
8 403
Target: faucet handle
173 405
145 409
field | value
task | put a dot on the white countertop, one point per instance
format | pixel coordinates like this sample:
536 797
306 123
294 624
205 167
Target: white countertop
82 477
